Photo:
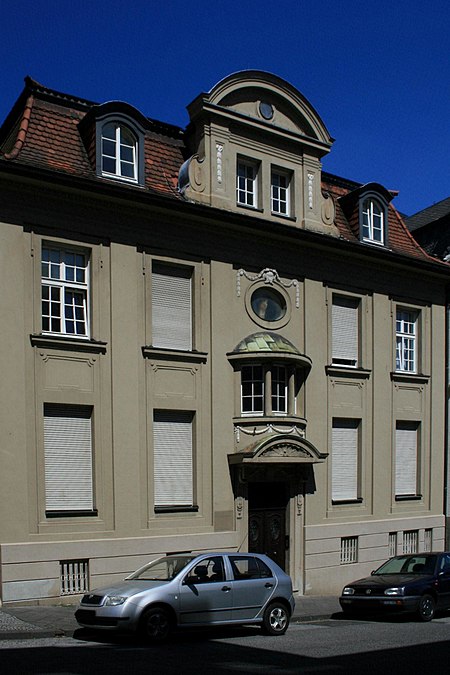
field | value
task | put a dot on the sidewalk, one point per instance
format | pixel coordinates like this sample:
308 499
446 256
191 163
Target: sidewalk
40 621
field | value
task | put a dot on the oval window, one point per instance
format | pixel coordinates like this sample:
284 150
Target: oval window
268 304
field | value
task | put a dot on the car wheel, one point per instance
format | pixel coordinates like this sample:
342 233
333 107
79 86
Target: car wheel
155 624
275 619
426 608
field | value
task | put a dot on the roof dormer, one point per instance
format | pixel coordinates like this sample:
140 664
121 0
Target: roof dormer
114 134
255 147
366 209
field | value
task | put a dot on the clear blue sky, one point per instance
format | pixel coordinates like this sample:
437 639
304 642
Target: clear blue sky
378 73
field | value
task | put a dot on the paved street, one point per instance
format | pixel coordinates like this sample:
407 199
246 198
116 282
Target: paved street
330 646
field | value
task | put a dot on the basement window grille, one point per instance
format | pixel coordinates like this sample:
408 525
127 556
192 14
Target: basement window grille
74 576
411 541
349 550
392 544
428 540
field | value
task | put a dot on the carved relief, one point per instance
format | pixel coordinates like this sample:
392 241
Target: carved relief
285 450
328 209
311 190
219 168
270 277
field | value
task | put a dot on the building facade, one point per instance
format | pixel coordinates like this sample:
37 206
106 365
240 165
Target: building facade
209 343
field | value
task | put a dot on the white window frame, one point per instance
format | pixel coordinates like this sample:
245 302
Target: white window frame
279 396
247 183
407 448
120 145
68 458
280 192
406 334
252 390
373 217
345 460
345 331
173 459
172 307
64 300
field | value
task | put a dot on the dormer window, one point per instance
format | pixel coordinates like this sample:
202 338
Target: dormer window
120 135
373 221
119 146
280 192
247 183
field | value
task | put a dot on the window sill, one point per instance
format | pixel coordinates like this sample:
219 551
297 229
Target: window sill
348 371
71 514
408 498
176 509
247 207
346 502
69 343
404 376
174 355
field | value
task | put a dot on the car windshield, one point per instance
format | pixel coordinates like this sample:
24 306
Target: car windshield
409 564
163 569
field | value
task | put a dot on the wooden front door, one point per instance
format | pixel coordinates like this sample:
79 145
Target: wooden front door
266 533
267 521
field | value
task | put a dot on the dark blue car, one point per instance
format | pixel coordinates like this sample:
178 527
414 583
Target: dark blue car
418 583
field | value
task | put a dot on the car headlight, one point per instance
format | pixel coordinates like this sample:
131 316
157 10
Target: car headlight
113 600
348 590
394 591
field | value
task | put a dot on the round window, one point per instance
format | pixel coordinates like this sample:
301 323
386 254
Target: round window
268 304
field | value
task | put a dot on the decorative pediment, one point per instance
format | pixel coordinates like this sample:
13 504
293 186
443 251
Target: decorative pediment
279 449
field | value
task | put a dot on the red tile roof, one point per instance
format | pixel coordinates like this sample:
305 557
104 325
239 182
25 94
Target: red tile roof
43 131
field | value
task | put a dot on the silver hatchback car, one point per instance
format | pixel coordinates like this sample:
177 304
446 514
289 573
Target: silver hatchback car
188 590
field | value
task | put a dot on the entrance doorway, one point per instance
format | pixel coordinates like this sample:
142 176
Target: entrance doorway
267 520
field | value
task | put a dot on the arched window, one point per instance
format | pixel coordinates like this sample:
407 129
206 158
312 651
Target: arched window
373 221
119 152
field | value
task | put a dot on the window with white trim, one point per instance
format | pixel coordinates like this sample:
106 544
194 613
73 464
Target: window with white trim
252 390
406 459
119 152
279 379
171 307
247 183
373 216
173 459
345 331
68 459
345 460
65 291
265 390
406 340
280 192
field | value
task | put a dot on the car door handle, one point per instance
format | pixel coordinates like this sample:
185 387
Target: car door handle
268 585
226 588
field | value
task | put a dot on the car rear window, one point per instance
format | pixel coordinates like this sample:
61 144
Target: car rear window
249 567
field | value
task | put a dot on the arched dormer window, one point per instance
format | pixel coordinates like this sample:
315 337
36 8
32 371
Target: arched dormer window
119 141
119 152
373 221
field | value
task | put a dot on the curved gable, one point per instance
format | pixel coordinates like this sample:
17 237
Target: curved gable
245 91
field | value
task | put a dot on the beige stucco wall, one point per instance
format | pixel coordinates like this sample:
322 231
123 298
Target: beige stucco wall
125 384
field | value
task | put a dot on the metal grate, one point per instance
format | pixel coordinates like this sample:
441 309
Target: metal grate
392 544
349 550
428 540
74 576
411 541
